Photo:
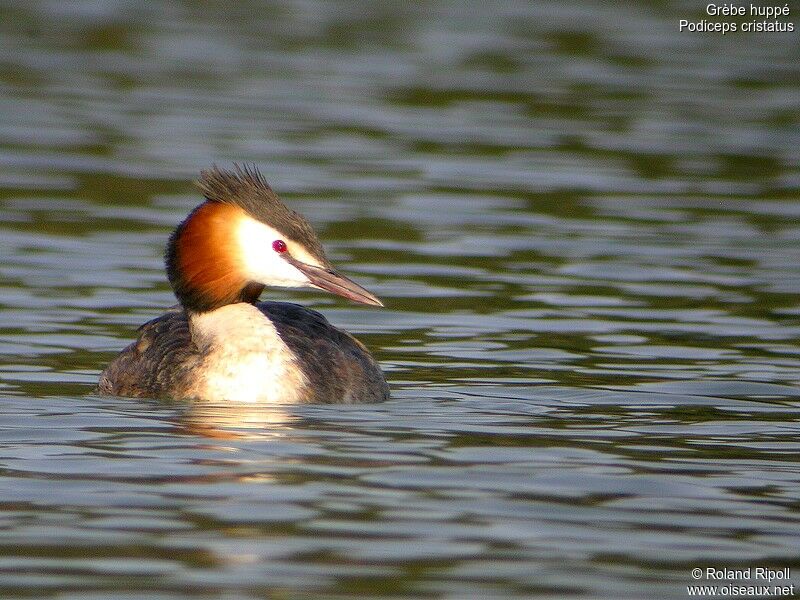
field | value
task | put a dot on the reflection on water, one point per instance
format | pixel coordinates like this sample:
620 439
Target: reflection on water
584 227
238 420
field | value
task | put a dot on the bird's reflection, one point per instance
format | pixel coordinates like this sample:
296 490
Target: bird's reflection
236 420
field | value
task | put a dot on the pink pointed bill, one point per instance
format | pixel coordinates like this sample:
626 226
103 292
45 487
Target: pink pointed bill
331 281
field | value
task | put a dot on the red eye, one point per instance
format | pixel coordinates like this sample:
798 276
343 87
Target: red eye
279 246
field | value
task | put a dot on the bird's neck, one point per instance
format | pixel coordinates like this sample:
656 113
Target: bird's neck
238 326
243 357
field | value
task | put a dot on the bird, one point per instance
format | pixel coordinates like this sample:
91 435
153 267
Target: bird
220 343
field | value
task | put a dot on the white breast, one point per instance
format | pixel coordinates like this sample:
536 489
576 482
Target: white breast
244 358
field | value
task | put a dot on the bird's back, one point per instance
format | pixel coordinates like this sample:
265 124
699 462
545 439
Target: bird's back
164 362
336 365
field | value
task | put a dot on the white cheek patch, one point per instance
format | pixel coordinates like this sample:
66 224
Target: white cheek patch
259 260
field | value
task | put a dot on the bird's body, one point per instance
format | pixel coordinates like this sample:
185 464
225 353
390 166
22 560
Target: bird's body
220 343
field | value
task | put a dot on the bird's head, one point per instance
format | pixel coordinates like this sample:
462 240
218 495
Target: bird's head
242 239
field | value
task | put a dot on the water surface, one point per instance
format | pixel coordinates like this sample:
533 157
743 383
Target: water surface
585 229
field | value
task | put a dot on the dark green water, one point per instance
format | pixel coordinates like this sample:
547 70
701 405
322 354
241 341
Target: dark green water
586 230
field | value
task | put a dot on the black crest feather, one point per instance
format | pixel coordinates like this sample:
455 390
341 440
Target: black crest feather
246 188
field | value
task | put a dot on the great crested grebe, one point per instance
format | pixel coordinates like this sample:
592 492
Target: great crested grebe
222 344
